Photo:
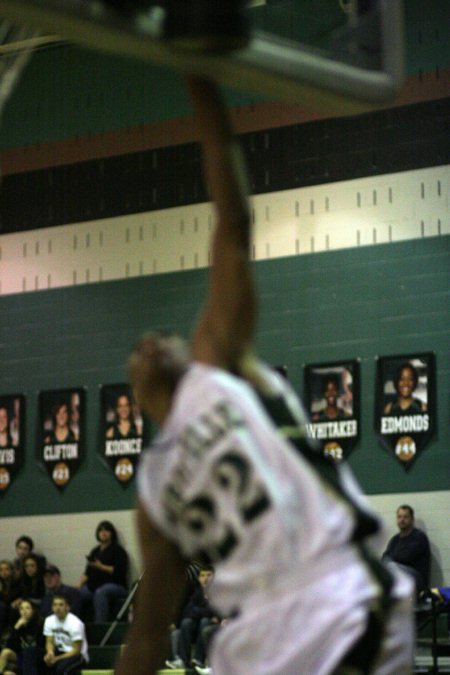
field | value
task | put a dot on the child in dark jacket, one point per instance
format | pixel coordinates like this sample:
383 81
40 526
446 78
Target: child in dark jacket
197 615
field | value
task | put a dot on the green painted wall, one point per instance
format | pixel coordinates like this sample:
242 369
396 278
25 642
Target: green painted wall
68 92
378 300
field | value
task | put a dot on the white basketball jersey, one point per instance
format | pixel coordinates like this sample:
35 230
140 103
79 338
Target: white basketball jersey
222 484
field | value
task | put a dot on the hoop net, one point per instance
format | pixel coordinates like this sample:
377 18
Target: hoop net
16 45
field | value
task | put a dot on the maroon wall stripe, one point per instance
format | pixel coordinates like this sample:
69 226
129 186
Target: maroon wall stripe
269 115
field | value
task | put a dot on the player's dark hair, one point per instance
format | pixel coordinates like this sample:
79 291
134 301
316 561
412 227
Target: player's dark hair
154 354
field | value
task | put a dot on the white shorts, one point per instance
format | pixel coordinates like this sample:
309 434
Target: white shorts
279 642
397 651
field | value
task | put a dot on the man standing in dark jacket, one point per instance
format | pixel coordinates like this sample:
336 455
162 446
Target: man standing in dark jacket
410 548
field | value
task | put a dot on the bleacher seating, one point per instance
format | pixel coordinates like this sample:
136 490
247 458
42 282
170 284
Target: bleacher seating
433 645
102 659
433 640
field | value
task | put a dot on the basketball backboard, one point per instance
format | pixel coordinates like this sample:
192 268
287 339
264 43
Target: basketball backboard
331 55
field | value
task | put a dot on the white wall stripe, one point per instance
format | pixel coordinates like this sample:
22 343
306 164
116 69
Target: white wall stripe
360 212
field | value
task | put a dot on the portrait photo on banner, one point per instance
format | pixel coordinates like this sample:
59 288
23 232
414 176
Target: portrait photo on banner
12 438
405 404
332 395
61 443
122 431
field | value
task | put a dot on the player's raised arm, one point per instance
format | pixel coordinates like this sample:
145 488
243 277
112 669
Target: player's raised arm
160 589
226 325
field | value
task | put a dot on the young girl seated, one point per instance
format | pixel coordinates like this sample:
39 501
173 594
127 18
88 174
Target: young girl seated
27 632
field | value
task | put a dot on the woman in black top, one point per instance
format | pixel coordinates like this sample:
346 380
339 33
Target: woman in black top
105 577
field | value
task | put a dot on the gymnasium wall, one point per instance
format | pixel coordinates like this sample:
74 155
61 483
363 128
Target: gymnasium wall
344 304
349 301
351 258
67 538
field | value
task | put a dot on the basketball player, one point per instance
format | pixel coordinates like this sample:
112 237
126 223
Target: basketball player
231 480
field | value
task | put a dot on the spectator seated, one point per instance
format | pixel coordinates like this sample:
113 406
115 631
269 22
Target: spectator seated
55 586
104 582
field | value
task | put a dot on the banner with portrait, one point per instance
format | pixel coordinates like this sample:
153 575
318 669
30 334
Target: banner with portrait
405 404
332 402
122 431
61 443
12 438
